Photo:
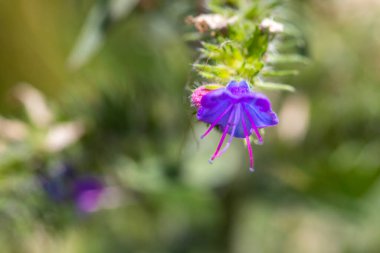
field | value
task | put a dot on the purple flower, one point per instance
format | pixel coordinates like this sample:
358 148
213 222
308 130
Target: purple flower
87 194
57 182
237 111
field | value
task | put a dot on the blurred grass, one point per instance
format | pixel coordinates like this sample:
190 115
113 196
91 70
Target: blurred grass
313 192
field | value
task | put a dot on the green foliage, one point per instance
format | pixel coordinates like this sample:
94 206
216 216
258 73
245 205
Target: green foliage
246 46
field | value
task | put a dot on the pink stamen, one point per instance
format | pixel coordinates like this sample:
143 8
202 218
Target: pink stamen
246 133
222 138
253 125
216 121
235 123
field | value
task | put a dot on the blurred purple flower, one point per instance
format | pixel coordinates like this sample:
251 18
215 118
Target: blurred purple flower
57 182
87 194
237 111
63 185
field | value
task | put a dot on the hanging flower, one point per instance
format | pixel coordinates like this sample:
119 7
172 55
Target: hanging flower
238 112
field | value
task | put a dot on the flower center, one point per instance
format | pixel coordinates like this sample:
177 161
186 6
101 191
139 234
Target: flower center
239 90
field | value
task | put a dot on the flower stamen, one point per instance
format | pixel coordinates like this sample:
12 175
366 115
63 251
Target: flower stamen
234 125
254 127
247 134
222 138
216 121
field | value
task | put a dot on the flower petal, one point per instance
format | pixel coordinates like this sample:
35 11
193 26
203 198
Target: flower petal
238 88
261 112
213 105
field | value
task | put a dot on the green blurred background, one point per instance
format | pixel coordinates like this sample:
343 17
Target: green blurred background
110 100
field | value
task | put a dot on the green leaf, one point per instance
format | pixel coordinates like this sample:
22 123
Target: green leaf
222 71
257 44
279 73
252 12
275 86
286 59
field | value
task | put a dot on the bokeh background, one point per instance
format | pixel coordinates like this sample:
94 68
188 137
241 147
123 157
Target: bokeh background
100 152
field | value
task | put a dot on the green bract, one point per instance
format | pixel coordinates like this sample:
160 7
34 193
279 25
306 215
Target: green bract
246 45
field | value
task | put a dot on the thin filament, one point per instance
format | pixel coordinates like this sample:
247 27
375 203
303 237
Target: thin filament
254 127
246 133
235 123
223 137
216 121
